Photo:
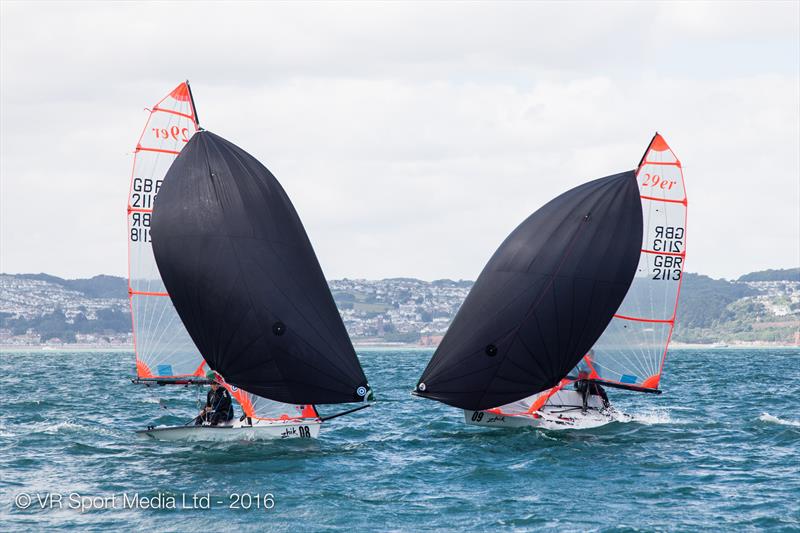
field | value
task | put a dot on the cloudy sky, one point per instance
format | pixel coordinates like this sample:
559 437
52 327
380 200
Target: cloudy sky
411 137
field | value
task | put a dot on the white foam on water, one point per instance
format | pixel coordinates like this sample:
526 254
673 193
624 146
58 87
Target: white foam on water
652 417
5 432
65 425
649 417
766 417
68 426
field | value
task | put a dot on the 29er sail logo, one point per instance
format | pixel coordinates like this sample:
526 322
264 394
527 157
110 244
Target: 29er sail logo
175 133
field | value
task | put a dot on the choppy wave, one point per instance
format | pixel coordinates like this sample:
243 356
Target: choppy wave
408 461
766 417
652 417
57 427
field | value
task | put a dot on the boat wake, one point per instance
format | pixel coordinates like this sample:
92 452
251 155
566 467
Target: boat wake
766 417
650 417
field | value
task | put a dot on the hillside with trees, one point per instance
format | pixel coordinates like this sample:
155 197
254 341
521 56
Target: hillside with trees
758 307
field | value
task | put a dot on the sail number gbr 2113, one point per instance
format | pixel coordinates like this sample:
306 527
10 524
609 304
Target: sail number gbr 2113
668 240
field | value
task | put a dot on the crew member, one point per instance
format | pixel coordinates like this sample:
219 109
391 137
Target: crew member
592 388
219 406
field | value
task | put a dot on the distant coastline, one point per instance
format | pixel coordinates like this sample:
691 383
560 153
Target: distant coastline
758 309
369 345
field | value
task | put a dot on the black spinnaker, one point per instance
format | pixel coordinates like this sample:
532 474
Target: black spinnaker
242 274
543 299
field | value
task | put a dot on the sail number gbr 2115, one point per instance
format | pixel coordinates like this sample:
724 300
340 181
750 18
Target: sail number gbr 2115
668 240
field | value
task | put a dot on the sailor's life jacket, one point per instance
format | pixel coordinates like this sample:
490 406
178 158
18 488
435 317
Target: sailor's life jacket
220 403
594 389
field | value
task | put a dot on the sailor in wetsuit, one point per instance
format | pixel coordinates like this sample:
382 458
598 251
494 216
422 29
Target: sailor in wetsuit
219 407
585 386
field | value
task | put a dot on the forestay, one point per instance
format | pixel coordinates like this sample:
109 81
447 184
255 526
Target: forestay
162 345
633 347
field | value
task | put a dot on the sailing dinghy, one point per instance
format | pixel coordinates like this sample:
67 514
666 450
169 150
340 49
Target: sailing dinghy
582 295
223 277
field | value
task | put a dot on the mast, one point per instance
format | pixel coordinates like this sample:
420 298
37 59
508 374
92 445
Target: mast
194 107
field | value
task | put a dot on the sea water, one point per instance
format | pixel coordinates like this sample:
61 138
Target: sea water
719 450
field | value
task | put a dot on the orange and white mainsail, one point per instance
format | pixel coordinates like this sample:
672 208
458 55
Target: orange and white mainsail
633 347
163 347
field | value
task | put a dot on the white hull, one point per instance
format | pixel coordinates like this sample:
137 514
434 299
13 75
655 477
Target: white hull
238 431
563 411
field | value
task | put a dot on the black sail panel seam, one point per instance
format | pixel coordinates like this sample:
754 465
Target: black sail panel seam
332 335
297 310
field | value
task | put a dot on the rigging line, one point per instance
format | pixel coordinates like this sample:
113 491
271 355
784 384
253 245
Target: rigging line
158 330
146 325
349 411
643 352
666 348
639 355
628 365
182 354
635 361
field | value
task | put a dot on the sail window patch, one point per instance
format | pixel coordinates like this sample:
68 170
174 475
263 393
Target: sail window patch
627 378
164 370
